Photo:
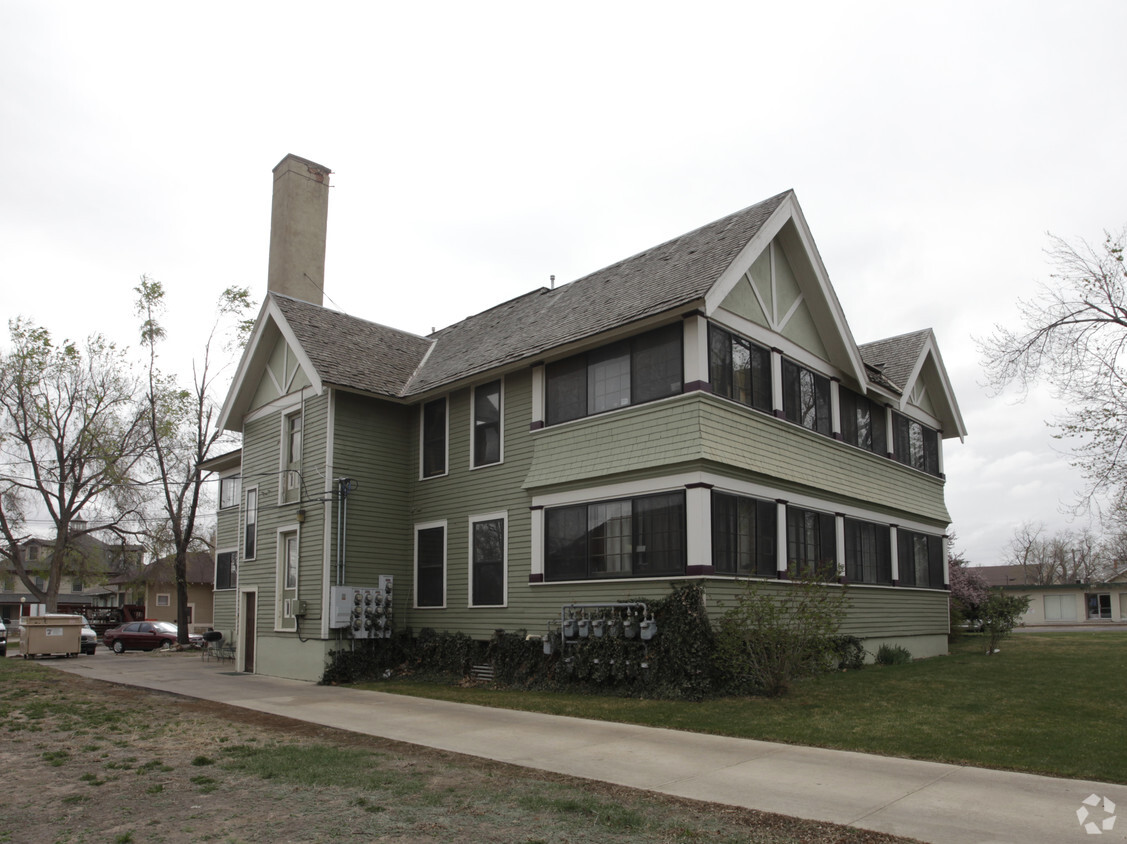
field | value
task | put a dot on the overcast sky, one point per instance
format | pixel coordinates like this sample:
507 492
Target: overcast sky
479 148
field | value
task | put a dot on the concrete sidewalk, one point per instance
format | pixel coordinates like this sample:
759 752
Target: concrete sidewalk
925 800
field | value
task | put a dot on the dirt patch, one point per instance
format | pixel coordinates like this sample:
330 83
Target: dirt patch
94 762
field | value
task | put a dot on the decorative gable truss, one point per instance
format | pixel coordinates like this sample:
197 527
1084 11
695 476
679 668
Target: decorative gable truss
777 292
274 364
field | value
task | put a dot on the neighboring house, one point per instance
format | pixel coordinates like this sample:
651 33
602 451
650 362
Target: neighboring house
160 590
699 411
90 572
1008 575
1075 603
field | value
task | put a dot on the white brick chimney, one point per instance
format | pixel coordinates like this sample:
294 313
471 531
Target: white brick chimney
298 222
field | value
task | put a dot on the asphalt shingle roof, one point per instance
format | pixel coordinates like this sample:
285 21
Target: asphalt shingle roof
354 353
351 352
672 274
894 357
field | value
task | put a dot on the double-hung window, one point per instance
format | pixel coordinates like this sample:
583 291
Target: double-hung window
487 561
811 543
743 535
292 461
868 552
915 444
739 369
434 438
862 422
226 569
430 565
919 557
640 369
487 424
806 397
229 492
250 535
625 537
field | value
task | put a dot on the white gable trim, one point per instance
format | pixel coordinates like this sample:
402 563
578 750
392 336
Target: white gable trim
913 387
789 211
269 325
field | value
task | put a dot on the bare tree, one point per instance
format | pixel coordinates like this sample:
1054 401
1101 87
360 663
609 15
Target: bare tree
1074 336
183 429
71 444
1064 557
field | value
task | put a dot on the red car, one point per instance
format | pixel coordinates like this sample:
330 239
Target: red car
145 636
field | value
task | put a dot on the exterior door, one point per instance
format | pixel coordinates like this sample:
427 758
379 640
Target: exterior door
249 615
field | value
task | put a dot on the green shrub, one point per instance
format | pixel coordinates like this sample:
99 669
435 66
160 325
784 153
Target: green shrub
772 637
999 614
847 652
893 655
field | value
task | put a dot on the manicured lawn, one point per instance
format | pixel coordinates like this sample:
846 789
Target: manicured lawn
1049 703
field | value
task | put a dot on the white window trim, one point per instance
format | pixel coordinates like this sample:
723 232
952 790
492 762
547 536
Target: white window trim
415 563
215 572
243 523
240 628
422 439
503 516
233 475
287 480
167 596
279 577
473 424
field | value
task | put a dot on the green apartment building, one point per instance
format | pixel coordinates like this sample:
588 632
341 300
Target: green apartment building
697 411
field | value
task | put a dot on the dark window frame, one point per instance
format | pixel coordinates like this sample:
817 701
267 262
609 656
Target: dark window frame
871 435
915 444
806 398
725 349
433 428
488 446
744 535
868 552
430 566
589 533
919 556
487 563
811 543
575 385
250 522
226 569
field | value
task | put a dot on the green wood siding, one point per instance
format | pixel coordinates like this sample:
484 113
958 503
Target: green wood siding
369 447
699 430
227 537
466 492
262 442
